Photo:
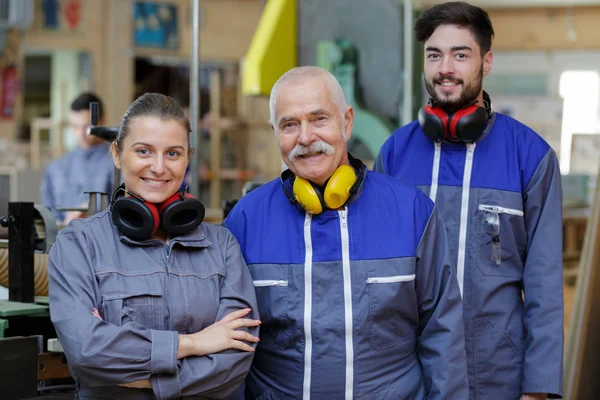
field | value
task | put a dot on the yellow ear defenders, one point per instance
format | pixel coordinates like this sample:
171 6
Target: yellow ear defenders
339 188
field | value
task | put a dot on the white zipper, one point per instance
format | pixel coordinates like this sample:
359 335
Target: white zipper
391 279
307 307
464 217
269 283
500 210
347 303
435 174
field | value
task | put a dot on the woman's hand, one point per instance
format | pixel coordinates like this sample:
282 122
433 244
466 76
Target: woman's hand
221 335
143 384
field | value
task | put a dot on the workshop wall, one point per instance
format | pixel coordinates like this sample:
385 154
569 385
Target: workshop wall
105 30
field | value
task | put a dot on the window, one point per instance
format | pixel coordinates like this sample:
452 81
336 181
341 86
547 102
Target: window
580 91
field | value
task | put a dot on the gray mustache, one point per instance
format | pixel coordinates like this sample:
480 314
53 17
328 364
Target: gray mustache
314 148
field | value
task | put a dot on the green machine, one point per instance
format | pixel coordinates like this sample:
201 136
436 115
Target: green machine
370 131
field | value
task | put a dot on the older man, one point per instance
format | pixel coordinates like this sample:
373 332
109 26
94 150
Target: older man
356 292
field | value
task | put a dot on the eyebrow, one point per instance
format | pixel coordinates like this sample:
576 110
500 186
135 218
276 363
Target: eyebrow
319 111
455 48
149 145
283 120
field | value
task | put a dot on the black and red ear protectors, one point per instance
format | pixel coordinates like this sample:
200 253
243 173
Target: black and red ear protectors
465 125
139 219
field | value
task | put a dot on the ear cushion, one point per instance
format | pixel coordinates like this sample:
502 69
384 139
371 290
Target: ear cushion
433 121
308 195
338 187
135 219
179 216
468 123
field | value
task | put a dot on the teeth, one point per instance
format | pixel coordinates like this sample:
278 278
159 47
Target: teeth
154 182
448 84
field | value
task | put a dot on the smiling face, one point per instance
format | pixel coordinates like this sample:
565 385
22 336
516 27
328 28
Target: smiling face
153 157
454 67
311 128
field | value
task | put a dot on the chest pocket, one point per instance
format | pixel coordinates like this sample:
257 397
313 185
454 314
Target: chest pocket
393 313
131 298
500 230
271 287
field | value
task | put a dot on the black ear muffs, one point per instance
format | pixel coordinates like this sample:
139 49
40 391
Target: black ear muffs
466 125
181 213
136 219
139 219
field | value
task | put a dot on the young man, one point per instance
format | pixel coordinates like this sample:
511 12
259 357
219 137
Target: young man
497 185
356 291
88 168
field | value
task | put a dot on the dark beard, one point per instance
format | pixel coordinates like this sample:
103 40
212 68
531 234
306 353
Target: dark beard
468 96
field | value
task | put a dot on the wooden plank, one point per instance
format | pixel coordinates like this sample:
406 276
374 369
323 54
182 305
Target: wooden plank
582 357
35 145
14 308
52 366
543 28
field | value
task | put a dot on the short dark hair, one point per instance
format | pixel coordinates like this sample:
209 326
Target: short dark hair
152 105
82 103
457 13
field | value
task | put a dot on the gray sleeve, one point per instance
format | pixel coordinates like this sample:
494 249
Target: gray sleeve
99 353
217 375
542 281
441 348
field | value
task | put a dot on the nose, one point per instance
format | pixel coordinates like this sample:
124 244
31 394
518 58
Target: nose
158 166
447 66
306 136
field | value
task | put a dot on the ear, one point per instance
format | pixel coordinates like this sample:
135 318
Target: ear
115 155
488 59
349 121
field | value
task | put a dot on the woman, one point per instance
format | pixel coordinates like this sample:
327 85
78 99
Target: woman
160 312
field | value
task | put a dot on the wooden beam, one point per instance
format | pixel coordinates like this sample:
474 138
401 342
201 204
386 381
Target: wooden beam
572 28
582 360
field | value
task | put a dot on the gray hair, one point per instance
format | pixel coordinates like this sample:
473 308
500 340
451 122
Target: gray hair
307 72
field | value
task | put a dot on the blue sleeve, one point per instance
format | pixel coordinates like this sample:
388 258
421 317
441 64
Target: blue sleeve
441 348
542 281
217 375
98 352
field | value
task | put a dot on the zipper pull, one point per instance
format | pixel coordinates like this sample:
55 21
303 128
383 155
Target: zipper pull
343 217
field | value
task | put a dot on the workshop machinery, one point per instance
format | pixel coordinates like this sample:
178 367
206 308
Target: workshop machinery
33 362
